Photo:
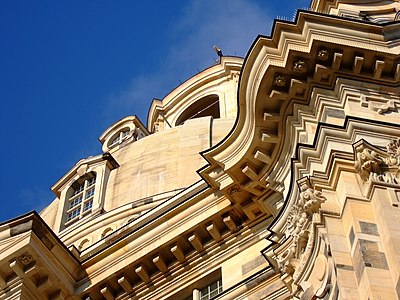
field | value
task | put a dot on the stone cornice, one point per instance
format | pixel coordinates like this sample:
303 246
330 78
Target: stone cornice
37 259
278 73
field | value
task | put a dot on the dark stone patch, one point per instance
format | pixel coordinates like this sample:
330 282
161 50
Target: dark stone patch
345 267
369 228
371 255
358 263
260 279
336 113
21 228
147 201
254 263
142 202
351 236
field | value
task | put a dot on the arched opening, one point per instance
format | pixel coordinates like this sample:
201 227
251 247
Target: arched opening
207 106
106 232
119 137
84 244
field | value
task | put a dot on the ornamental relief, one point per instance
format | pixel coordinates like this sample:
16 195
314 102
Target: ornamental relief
382 104
292 257
25 259
378 166
299 228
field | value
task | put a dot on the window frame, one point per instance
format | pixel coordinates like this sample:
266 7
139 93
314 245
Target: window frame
82 197
210 293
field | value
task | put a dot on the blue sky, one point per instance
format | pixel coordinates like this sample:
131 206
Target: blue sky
69 69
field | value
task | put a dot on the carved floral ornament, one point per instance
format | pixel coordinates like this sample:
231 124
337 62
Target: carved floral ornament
279 80
323 54
375 165
292 256
300 66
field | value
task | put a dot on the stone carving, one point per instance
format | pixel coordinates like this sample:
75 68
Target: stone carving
300 66
299 230
234 190
280 80
393 149
368 163
25 259
235 76
323 54
374 165
382 105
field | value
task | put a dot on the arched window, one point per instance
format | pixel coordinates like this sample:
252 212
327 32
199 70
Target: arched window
80 200
119 137
207 106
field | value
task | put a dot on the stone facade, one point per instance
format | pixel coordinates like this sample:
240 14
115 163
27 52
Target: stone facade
273 177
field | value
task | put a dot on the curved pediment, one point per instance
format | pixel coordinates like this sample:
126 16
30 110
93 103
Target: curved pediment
125 130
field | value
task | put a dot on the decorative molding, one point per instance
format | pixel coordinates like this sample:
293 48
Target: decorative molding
367 162
393 149
299 229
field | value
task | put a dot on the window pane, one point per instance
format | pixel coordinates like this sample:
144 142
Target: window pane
91 181
125 133
75 201
78 190
211 290
115 141
73 214
88 205
81 200
89 193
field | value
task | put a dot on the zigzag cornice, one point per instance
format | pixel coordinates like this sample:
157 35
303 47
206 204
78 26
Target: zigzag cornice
270 54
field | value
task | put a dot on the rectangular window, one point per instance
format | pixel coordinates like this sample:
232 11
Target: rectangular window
211 290
81 198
